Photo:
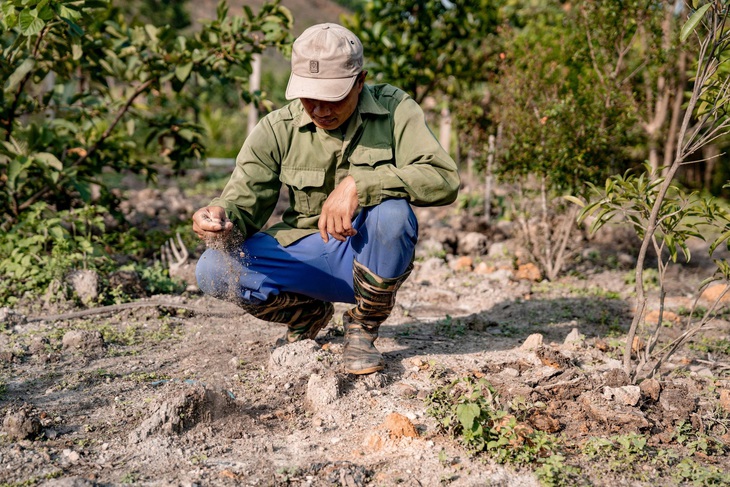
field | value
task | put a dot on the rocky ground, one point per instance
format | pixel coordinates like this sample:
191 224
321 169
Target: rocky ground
187 390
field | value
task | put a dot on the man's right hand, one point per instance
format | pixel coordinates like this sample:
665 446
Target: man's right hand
211 222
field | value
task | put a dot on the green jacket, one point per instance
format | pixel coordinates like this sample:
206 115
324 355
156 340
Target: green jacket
388 149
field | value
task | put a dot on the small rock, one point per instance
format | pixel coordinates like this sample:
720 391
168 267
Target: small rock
650 388
510 372
85 283
234 363
529 272
484 268
574 338
627 395
323 390
399 426
472 243
405 390
21 423
83 340
71 456
532 342
463 263
713 293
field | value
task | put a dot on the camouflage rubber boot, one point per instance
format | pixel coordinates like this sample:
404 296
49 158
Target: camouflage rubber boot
375 298
303 316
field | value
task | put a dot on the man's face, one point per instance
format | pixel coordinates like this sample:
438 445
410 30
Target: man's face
330 115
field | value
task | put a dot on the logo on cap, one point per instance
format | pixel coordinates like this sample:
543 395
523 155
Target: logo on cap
314 66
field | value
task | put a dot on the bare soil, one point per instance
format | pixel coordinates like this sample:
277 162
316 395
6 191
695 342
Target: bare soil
190 391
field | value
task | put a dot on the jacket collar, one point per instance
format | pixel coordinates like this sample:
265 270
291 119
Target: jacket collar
367 104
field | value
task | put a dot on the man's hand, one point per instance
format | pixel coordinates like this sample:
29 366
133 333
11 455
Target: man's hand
211 222
338 210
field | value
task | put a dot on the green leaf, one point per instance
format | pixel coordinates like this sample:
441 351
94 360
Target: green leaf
30 24
575 200
466 414
76 51
691 24
182 72
15 78
50 160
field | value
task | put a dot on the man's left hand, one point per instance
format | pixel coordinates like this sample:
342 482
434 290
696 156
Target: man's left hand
338 210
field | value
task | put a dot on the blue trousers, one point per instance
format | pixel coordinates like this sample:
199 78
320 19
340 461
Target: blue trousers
261 267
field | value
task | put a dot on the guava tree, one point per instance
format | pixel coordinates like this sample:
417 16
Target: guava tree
86 93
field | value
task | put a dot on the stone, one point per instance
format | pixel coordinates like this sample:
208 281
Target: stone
626 395
21 423
499 250
532 342
323 390
712 293
652 317
650 388
85 283
463 263
399 426
573 339
528 272
472 243
86 340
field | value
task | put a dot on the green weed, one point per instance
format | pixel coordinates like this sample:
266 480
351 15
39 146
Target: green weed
468 410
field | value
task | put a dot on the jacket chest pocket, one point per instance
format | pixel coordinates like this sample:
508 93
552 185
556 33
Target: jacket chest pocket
307 190
367 157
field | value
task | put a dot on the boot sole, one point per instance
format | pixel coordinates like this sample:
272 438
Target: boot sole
369 370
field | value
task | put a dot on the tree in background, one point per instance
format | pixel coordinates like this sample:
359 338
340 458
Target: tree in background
87 94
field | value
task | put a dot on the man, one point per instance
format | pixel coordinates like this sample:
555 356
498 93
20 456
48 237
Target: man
353 157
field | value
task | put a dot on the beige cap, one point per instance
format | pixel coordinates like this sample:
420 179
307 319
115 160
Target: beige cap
325 62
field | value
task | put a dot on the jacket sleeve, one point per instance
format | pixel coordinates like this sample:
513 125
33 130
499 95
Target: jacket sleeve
251 193
423 172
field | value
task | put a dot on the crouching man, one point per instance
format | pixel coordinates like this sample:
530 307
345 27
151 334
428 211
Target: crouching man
353 157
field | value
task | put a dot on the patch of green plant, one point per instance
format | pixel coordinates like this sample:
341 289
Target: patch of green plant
44 245
450 327
554 472
697 442
650 276
113 335
129 478
619 451
166 331
690 472
157 280
710 345
3 389
697 312
468 410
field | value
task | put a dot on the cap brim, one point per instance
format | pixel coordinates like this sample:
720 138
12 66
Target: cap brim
318 88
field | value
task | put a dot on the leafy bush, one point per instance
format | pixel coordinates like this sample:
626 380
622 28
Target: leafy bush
88 95
45 243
